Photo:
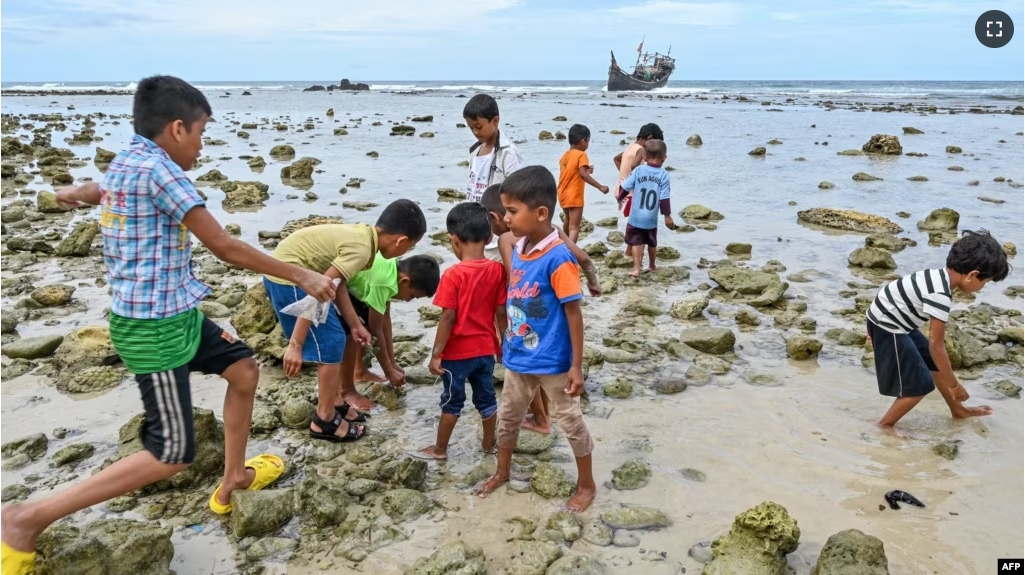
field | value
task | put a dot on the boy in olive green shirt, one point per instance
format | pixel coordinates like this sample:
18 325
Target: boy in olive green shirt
371 292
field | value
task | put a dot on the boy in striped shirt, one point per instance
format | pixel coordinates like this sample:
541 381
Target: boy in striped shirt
909 366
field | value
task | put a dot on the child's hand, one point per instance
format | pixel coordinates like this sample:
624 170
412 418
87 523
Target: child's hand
670 223
67 198
361 335
594 287
575 382
293 360
960 393
435 366
396 378
398 368
321 287
604 189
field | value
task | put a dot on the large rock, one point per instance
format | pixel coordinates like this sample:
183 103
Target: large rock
742 280
32 446
633 474
86 347
883 144
323 500
694 140
532 442
46 202
802 347
578 565
849 220
282 152
105 547
941 220
405 504
80 240
757 544
456 558
260 512
53 295
256 314
241 195
72 454
963 349
208 464
636 517
9 323
532 557
888 242
872 258
699 212
713 340
32 347
852 552
302 169
90 380
551 481
689 308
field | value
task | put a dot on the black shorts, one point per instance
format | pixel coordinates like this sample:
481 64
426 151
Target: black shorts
168 431
903 362
641 237
362 312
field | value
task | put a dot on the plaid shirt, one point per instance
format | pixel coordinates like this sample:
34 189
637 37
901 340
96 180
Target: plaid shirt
146 248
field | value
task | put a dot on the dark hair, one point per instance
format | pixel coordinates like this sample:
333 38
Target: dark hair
403 218
532 185
578 132
469 222
160 100
423 273
492 199
655 149
979 251
650 131
481 106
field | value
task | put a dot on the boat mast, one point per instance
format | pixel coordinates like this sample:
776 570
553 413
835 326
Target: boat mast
639 49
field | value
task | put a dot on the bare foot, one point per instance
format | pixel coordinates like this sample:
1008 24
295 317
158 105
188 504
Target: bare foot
368 377
967 412
15 528
355 399
635 274
891 431
224 494
489 486
650 269
581 500
489 449
432 450
530 423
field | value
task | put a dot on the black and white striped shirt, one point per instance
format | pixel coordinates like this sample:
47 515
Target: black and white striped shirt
905 304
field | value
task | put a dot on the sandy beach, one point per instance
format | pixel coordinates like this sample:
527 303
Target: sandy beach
782 409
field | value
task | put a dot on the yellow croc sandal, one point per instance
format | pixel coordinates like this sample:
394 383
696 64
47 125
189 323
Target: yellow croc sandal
14 562
268 469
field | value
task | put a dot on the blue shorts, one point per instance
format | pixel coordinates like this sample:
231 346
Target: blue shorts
480 371
324 343
903 362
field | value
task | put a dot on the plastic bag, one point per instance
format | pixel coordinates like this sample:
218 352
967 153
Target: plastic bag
311 309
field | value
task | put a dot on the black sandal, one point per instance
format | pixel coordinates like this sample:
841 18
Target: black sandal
328 429
344 410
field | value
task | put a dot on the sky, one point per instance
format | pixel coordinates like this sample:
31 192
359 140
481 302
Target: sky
266 40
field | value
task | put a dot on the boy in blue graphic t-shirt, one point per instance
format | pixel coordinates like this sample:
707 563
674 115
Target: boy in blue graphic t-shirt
543 344
649 183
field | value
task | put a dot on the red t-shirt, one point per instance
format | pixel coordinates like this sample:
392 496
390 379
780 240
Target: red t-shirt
473 289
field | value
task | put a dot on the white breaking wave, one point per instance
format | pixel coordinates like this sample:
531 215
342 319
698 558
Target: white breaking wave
393 86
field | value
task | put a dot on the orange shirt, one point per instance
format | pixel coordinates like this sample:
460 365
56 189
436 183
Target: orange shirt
571 185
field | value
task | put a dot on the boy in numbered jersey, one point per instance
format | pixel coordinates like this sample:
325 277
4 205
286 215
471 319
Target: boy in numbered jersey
649 184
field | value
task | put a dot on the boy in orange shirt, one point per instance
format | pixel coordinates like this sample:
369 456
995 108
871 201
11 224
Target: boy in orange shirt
574 170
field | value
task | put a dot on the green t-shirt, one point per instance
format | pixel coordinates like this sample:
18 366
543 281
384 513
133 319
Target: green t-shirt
156 345
376 286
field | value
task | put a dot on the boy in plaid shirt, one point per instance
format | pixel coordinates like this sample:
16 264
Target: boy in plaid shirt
149 206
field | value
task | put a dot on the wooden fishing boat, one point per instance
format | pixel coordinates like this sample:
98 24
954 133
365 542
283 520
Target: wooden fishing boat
650 71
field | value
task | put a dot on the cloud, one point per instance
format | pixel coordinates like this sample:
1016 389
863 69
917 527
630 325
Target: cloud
251 19
662 12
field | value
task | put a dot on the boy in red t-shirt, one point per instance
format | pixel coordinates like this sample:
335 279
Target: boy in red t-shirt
472 295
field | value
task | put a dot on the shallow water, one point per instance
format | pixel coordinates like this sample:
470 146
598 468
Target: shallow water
809 444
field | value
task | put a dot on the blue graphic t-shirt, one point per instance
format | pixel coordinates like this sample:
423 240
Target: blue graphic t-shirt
537 341
650 185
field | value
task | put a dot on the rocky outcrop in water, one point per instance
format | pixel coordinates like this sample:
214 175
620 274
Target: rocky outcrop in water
852 552
850 220
757 544
107 546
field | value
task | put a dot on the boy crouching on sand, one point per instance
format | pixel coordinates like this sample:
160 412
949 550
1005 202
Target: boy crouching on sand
472 298
539 419
371 292
338 251
149 208
908 366
649 184
543 345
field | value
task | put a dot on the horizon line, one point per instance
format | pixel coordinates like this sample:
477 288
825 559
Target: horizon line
367 81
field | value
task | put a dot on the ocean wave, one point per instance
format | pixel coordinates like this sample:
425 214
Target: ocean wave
492 88
58 87
393 86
